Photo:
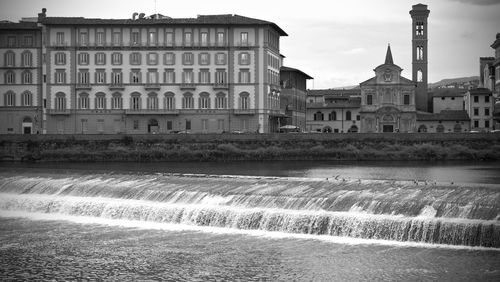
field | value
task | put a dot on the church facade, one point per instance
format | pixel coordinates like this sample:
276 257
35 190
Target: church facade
388 100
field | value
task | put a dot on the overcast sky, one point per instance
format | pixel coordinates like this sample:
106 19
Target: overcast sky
339 43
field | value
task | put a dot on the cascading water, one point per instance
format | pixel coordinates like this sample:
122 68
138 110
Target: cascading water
384 210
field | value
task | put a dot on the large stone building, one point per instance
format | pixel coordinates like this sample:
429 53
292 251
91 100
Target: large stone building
479 105
388 100
293 96
213 73
20 78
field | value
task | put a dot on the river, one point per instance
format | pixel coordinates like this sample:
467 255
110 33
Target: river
250 221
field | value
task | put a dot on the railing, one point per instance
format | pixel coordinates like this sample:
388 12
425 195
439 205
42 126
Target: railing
187 86
151 112
244 111
152 86
83 86
116 86
220 86
58 112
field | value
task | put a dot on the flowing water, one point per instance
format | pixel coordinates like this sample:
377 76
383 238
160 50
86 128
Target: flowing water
314 224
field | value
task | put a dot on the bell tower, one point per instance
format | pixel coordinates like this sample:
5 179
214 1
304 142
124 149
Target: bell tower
419 15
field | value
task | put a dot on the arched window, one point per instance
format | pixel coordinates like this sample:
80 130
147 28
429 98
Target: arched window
116 101
26 59
26 99
83 101
135 101
420 53
169 102
204 101
420 76
332 116
26 77
10 59
187 101
152 102
244 101
220 101
457 127
60 102
422 128
9 99
100 101
348 115
10 77
318 115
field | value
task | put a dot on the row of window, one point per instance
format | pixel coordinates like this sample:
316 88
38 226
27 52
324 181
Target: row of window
10 99
486 111
476 99
333 116
476 124
26 77
152 101
218 77
152 58
25 41
152 38
369 99
152 125
10 59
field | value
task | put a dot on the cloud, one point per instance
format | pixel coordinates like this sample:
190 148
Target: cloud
479 2
353 51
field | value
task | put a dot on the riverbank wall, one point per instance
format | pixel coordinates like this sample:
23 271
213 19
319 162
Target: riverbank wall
261 147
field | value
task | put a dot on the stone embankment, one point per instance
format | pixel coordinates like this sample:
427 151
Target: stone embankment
231 147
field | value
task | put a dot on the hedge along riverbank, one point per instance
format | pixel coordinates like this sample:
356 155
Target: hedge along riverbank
261 147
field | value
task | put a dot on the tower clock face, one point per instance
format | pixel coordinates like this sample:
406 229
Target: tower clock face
388 75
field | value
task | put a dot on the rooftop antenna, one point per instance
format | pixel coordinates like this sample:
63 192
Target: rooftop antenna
156 13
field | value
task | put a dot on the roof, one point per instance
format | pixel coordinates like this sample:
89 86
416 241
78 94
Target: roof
334 92
226 19
19 25
480 91
448 92
445 115
283 68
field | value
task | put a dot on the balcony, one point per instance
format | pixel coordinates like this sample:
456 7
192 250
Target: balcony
152 86
64 112
221 86
280 112
152 112
244 44
59 44
83 86
244 111
117 86
187 86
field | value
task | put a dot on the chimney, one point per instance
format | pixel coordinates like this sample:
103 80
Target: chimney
42 15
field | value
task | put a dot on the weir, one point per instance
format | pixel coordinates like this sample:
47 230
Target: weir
382 210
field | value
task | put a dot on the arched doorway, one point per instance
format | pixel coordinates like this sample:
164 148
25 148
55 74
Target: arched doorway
422 128
27 125
353 129
327 129
153 126
440 128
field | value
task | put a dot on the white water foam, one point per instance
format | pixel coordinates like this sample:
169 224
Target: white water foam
230 231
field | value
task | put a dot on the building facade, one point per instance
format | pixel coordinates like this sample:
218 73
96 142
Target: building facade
446 99
445 121
20 78
479 106
333 111
293 84
388 100
419 15
213 73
